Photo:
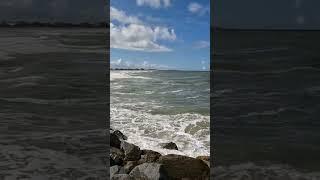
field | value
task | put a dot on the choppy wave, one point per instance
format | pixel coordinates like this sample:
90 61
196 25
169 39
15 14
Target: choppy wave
252 51
153 107
52 101
33 161
253 171
189 131
126 74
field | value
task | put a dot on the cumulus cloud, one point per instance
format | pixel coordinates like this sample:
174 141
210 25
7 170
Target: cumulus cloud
154 3
132 34
122 17
194 7
201 44
197 8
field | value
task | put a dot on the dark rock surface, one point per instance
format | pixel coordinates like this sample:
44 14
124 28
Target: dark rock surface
148 156
129 162
116 170
150 171
169 145
114 140
131 151
117 156
205 159
120 135
129 166
122 177
179 167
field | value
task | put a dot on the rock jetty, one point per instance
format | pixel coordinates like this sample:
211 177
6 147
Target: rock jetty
129 162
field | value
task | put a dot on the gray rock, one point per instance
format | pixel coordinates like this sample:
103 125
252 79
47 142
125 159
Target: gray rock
149 156
120 135
122 177
131 151
112 162
205 159
117 156
179 167
114 140
169 145
150 171
129 166
116 170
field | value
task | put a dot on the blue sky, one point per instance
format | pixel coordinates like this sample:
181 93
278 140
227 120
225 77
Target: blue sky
162 34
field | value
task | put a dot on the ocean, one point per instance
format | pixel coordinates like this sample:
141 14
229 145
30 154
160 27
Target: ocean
53 103
265 105
152 107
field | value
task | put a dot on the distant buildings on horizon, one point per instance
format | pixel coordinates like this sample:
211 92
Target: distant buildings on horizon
130 69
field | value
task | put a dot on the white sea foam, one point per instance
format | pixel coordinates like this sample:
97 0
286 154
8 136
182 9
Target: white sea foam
118 75
189 131
140 113
126 74
176 91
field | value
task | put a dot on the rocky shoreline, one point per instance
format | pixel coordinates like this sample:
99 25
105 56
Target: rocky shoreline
129 162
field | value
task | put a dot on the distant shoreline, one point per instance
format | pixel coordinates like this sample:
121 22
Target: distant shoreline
158 70
137 69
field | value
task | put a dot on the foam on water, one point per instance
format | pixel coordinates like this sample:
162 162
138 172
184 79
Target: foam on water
126 74
143 107
189 131
118 75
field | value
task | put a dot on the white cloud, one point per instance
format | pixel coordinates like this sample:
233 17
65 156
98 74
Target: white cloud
154 3
132 34
203 63
197 8
201 44
194 7
117 62
121 16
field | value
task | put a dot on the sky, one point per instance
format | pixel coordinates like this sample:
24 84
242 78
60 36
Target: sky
304 14
161 34
284 14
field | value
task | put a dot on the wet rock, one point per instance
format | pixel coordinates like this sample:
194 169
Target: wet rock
131 151
149 156
114 140
205 159
116 170
179 167
117 156
120 135
152 171
129 166
169 145
112 162
122 177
